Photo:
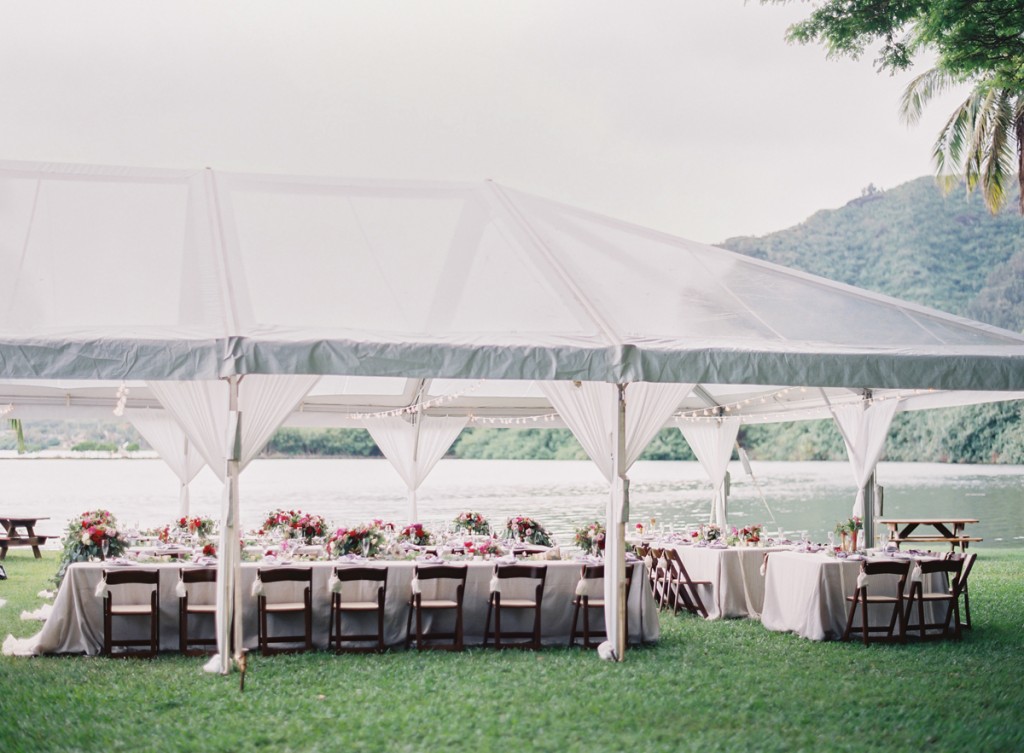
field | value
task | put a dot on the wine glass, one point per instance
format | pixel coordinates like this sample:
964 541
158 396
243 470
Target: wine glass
105 546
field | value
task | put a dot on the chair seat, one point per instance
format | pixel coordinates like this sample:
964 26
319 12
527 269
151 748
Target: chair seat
286 606
592 603
876 599
202 608
518 604
438 604
129 609
358 606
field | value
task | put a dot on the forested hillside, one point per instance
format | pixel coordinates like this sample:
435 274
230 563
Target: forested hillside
911 242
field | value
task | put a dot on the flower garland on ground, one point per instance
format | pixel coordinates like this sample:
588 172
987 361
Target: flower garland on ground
416 534
473 522
590 538
528 531
84 538
350 541
295 524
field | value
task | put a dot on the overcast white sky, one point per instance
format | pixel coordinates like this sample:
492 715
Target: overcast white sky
691 116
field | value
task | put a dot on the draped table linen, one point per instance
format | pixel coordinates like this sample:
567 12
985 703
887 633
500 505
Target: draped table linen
806 594
735 575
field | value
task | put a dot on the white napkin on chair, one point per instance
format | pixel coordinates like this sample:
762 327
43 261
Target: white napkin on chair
414 584
862 579
333 584
495 584
257 587
915 576
101 588
179 590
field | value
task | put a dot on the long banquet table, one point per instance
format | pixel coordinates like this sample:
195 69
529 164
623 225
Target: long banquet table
76 622
806 593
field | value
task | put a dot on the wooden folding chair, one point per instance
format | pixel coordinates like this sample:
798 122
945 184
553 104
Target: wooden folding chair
968 563
417 605
497 603
952 570
682 589
190 608
659 576
583 602
115 608
865 596
357 609
304 607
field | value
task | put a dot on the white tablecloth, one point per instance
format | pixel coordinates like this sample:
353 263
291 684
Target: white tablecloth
806 594
737 585
76 623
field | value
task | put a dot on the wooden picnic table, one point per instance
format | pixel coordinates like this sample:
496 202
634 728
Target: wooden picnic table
21 531
948 530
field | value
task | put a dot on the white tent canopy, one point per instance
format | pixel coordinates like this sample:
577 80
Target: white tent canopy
111 274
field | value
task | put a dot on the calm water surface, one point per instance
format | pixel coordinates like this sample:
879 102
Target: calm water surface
561 494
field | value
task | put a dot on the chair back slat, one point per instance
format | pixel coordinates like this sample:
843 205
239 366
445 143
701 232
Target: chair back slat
278 574
361 573
198 574
131 575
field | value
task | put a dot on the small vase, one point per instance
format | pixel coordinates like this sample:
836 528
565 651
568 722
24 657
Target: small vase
853 534
846 546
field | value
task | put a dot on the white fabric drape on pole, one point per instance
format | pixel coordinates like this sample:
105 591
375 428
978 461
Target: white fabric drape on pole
864 428
591 410
712 443
413 447
172 444
211 414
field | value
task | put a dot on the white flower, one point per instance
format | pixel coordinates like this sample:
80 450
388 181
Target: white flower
86 538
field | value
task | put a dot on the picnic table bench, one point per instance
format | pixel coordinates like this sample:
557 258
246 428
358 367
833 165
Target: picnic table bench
20 531
948 531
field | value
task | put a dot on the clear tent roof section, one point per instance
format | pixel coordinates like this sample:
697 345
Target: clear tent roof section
131 273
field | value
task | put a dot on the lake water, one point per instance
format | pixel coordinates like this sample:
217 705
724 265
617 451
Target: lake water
810 496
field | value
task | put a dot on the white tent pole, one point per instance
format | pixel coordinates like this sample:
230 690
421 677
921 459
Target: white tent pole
615 549
184 503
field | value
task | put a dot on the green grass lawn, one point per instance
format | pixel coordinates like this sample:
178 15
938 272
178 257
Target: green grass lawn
708 686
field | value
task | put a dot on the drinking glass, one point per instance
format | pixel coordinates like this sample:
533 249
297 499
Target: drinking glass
105 546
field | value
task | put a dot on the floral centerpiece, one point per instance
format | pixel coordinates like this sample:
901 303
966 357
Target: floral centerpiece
528 531
486 548
849 528
590 538
416 534
209 549
367 540
711 532
751 534
294 524
92 535
195 526
473 522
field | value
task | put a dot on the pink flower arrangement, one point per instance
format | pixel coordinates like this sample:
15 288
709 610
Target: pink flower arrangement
473 522
416 534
